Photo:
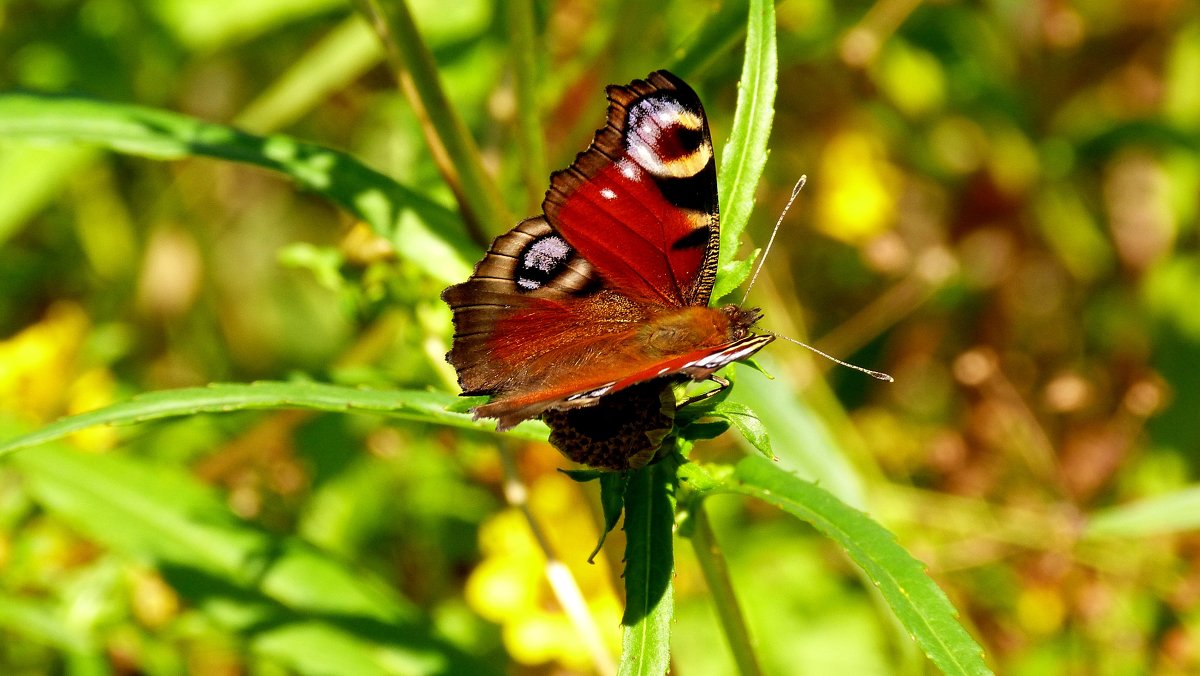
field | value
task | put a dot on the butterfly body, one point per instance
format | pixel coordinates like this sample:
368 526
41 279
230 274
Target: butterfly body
587 315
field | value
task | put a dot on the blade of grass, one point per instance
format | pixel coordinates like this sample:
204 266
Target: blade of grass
339 58
33 178
428 407
1171 513
453 148
802 441
562 582
718 35
287 599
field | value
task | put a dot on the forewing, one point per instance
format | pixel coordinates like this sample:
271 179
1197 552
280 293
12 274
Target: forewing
640 204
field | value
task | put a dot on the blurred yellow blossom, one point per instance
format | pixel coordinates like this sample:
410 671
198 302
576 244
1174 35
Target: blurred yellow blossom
41 376
509 586
856 193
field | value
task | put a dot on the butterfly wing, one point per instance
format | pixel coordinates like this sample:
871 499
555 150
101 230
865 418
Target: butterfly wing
641 202
610 288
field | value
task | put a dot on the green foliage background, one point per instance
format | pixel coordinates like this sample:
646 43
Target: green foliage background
1001 212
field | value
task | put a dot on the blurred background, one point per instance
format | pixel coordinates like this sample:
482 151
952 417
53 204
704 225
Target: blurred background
1001 212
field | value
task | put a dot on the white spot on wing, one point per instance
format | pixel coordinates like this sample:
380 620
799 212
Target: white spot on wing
608 194
546 253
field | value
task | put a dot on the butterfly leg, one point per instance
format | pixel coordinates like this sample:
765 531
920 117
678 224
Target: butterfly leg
721 385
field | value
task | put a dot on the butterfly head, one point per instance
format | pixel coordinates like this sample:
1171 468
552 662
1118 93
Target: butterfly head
741 320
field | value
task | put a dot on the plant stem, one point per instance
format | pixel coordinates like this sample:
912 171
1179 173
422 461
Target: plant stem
454 150
716 576
525 49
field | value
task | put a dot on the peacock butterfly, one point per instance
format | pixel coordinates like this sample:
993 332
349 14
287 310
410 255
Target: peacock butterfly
587 315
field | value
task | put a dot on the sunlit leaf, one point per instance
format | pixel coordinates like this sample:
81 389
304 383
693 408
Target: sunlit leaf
649 567
428 407
432 238
916 600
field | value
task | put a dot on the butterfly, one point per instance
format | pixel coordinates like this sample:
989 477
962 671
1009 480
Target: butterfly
587 315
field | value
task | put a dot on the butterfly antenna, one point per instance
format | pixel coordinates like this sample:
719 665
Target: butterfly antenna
878 375
763 259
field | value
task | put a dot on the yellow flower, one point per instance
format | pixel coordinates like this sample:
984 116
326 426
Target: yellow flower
856 194
41 376
509 586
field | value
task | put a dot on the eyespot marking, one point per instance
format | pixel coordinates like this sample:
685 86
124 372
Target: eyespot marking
667 138
542 260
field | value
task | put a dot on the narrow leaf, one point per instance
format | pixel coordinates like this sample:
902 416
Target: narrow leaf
433 237
649 565
269 589
330 65
721 31
918 603
745 153
809 448
612 501
453 148
222 398
526 53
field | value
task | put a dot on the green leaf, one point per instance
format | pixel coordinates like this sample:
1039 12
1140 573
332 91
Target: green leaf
747 423
1162 514
707 429
40 621
732 274
527 53
433 237
745 153
917 601
584 475
612 502
330 65
428 407
649 566
284 596
803 442
32 178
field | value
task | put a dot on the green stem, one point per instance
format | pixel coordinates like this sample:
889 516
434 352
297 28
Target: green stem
716 575
454 150
525 45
